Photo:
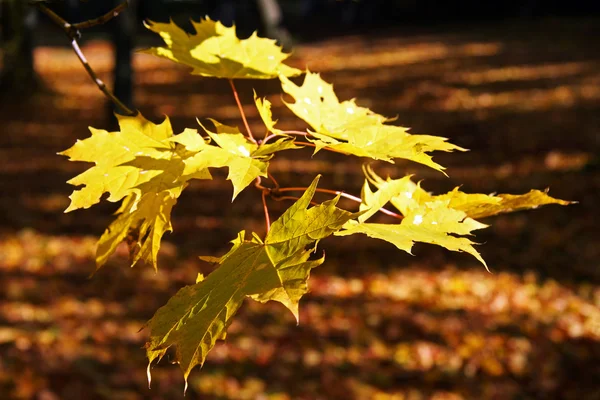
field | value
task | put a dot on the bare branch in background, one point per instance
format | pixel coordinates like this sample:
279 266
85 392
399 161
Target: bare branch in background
73 32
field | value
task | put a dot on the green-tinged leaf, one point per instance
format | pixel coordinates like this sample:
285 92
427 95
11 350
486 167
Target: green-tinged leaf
432 222
215 50
264 110
145 222
274 269
350 129
199 314
300 226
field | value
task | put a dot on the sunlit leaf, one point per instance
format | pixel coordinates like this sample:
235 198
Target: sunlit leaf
110 152
508 203
318 105
404 194
274 269
215 50
351 129
264 110
148 219
143 164
432 222
427 218
245 159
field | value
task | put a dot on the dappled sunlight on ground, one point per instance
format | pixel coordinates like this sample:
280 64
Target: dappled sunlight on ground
377 323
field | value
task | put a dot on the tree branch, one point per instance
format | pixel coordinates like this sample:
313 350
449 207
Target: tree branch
104 18
72 31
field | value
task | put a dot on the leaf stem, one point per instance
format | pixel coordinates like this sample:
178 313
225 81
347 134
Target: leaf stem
241 108
324 148
259 186
273 180
72 31
342 194
293 198
266 210
298 133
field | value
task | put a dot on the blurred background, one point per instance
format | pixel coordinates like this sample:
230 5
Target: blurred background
517 82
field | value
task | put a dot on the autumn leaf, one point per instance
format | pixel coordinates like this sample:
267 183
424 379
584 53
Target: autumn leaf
351 129
215 50
110 152
405 194
149 218
246 160
274 269
317 104
264 110
432 222
507 203
143 164
427 218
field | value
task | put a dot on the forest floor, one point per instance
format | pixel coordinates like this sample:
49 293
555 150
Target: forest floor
378 323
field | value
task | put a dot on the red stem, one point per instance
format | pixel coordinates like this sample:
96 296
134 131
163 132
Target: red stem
280 198
324 148
239 104
337 192
273 180
298 133
266 210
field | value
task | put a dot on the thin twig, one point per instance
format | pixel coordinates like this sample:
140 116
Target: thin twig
269 137
101 85
342 194
281 198
239 104
273 180
324 148
73 33
299 133
259 186
104 18
266 209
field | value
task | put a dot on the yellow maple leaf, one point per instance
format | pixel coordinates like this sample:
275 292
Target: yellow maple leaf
110 152
276 269
143 164
432 222
351 129
215 50
405 194
246 160
264 110
427 218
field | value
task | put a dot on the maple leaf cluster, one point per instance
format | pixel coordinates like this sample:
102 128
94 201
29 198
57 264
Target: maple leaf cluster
146 167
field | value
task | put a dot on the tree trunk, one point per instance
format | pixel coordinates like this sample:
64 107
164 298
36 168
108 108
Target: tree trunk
18 74
123 34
